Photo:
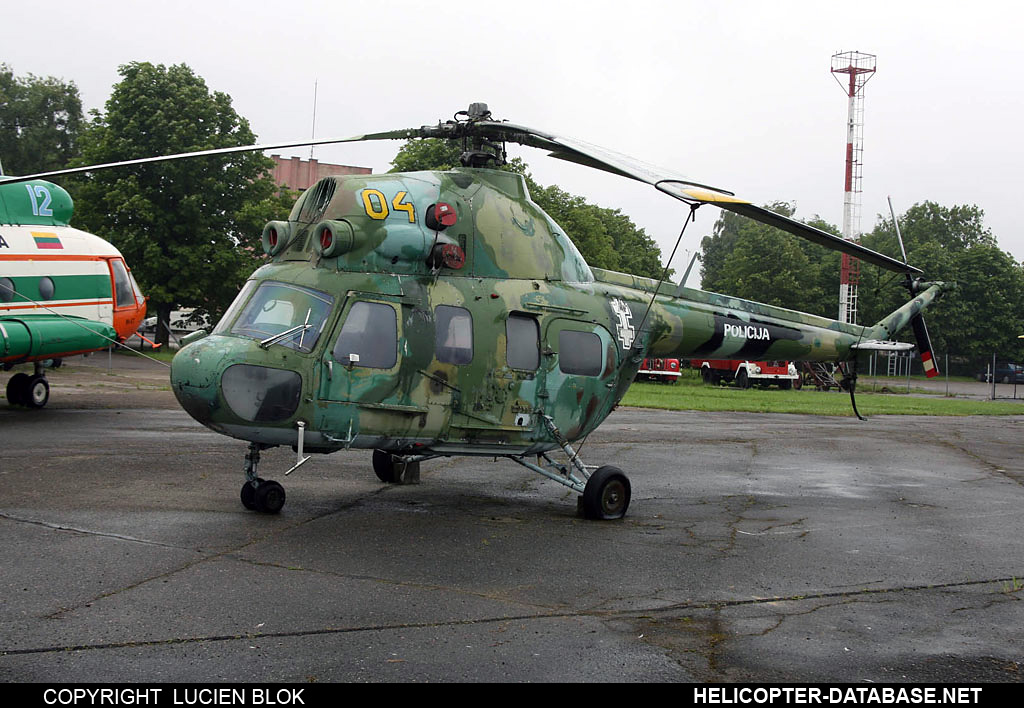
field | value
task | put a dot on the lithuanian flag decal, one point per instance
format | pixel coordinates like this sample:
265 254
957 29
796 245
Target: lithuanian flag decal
46 240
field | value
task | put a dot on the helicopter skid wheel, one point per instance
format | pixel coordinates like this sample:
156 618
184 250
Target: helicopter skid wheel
269 497
607 494
17 387
248 494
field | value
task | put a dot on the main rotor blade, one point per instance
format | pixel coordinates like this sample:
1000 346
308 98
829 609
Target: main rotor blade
896 225
666 181
810 233
679 187
389 135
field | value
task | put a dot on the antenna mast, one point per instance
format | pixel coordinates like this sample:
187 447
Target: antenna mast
859 69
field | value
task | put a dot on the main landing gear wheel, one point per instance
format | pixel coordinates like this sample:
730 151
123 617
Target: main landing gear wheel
37 392
384 467
16 389
606 495
29 391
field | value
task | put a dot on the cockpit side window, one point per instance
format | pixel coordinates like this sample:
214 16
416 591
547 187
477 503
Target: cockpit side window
243 296
369 336
124 295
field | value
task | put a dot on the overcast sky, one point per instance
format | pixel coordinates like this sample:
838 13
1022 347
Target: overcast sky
734 94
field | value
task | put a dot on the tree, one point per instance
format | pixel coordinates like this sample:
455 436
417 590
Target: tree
985 314
751 260
427 154
40 120
637 252
581 221
189 229
606 238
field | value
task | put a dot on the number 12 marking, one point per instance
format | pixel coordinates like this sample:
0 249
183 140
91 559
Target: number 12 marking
36 192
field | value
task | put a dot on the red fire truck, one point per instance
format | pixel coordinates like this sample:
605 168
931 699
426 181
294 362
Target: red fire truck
748 373
664 370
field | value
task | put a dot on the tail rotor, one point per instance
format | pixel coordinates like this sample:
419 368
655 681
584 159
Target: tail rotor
924 342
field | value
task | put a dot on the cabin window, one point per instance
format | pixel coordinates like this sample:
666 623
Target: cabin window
6 289
453 342
369 336
123 294
46 288
277 308
522 342
579 353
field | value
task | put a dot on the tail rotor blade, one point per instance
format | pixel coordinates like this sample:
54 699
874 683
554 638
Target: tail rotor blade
924 345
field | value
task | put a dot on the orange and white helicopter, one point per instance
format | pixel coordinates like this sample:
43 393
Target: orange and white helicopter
62 291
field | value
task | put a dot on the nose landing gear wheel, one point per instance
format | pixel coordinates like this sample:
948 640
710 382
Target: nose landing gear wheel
249 494
269 497
607 493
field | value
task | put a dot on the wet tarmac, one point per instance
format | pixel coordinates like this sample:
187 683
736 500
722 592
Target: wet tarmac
756 548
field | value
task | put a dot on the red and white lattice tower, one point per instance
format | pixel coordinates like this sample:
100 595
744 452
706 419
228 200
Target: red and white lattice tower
858 68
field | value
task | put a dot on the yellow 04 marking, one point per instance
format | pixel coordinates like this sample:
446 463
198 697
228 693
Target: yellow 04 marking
398 205
378 210
376 205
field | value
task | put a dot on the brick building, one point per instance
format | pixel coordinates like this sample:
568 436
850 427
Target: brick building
296 173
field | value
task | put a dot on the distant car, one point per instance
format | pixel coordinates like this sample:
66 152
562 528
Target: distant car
182 322
1005 373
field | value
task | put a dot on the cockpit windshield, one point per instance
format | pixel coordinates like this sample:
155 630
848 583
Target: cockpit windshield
284 314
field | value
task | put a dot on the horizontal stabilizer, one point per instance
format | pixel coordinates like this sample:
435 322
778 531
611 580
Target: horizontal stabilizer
877 345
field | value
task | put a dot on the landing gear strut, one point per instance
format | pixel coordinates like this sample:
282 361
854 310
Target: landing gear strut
605 491
262 495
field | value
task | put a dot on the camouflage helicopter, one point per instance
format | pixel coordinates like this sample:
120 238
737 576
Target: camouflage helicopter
443 313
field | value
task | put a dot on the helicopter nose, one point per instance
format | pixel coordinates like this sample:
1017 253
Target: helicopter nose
194 381
214 387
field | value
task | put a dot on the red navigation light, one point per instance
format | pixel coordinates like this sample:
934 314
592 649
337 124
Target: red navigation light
452 256
440 216
445 214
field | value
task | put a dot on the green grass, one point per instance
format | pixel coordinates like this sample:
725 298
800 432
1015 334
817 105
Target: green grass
691 394
161 354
